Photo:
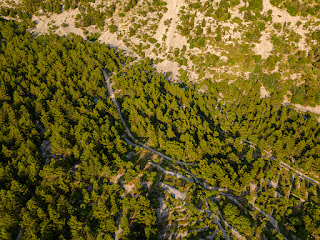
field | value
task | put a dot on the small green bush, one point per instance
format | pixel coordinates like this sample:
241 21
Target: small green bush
152 40
93 36
113 28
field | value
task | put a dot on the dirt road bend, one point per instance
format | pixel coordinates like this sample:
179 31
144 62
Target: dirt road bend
110 90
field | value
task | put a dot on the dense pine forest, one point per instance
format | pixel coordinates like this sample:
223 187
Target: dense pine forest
60 142
175 159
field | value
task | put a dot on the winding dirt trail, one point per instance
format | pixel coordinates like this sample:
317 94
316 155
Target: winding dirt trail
120 230
112 96
171 173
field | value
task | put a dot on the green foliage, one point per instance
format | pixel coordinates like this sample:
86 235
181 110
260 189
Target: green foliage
295 7
93 36
235 218
292 7
90 16
276 2
132 32
131 4
316 35
187 126
256 5
31 6
271 62
271 81
222 13
152 40
53 92
187 23
198 42
113 28
218 32
234 3
158 3
305 95
111 10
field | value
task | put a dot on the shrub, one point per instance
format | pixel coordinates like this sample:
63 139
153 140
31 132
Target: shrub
93 36
54 27
152 40
277 26
271 81
132 32
256 5
113 28
316 35
293 9
271 62
237 20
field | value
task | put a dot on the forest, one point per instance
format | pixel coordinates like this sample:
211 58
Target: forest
60 142
175 160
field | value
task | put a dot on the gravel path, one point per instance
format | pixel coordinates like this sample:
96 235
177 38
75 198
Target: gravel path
171 173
